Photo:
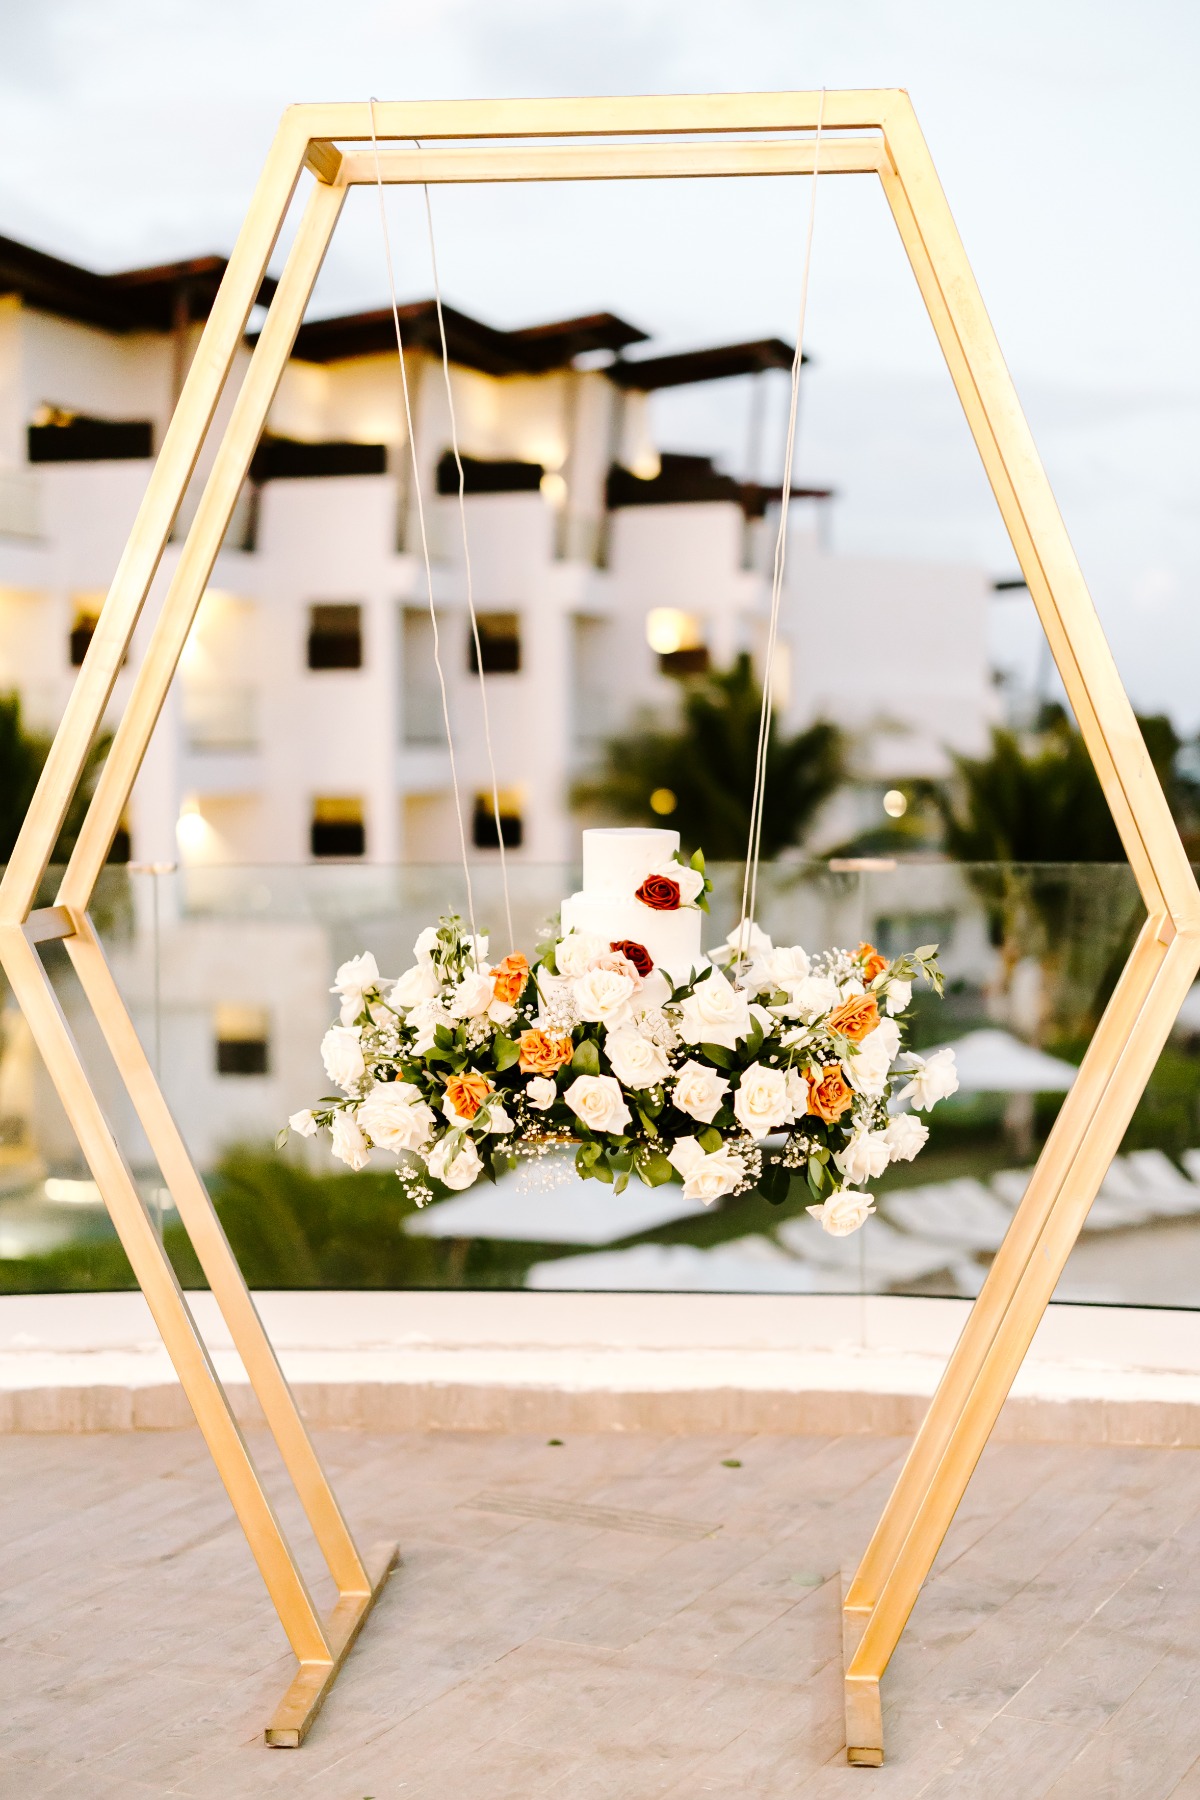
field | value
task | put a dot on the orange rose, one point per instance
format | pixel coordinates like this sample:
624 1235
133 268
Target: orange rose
829 1094
873 963
543 1052
509 978
467 1093
855 1018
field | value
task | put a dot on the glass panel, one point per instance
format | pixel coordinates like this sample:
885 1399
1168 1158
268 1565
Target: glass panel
227 971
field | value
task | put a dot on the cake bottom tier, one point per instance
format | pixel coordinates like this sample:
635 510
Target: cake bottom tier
671 939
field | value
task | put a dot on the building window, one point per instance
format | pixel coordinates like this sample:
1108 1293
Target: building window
83 629
335 637
58 435
338 828
678 639
421 700
499 643
483 825
242 1036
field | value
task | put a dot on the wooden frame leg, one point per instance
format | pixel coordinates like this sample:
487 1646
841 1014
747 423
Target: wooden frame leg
1002 1325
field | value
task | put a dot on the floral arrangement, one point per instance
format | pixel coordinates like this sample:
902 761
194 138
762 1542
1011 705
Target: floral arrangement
764 1065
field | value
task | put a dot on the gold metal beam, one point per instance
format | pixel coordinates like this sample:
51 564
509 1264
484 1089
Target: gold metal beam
474 141
616 162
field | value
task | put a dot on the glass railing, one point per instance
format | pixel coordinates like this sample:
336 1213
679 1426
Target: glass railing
226 971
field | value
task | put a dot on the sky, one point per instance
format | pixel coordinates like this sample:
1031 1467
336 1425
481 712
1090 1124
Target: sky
1062 133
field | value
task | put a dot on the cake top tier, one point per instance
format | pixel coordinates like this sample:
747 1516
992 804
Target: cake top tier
617 862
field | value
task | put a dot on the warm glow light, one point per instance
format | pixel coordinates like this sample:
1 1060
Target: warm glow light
646 465
663 801
191 827
668 629
894 804
554 487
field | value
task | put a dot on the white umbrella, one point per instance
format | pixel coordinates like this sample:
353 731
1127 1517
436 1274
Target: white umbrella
995 1062
546 1203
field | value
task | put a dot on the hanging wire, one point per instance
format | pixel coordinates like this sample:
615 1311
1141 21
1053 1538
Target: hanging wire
412 445
462 516
750 879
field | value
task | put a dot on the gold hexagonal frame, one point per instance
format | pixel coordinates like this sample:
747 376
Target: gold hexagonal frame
872 132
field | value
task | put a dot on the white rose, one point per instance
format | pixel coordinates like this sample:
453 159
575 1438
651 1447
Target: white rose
786 966
636 1060
599 1102
905 1136
699 1091
761 1102
576 953
899 993
341 1052
501 1013
472 997
604 995
933 1079
868 1068
416 984
747 939
426 944
843 1212
349 1145
706 1177
865 1157
423 1021
810 998
797 1093
352 981
716 1013
303 1124
888 1034
541 1092
689 881
498 1121
395 1116
454 1165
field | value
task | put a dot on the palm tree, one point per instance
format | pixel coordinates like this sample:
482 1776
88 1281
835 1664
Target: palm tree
1039 801
706 767
22 754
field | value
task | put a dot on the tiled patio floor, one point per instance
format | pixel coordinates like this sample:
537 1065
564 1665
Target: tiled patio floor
601 1655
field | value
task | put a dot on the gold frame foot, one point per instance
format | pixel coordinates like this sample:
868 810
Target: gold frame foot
864 1712
313 1680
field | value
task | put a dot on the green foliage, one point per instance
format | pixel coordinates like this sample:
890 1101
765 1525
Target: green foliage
22 754
1036 800
708 763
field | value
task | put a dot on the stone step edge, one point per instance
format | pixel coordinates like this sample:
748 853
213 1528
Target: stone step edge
555 1411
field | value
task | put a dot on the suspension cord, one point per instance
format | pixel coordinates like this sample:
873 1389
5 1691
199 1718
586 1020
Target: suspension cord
416 473
462 517
753 848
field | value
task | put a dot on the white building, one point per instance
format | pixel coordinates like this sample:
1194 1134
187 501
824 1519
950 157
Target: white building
306 723
306 720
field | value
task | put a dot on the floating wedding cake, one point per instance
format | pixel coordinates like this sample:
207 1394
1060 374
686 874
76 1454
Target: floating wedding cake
618 867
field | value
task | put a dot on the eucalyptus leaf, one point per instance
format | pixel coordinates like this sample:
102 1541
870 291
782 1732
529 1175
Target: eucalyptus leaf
654 1168
775 1183
504 1051
586 1060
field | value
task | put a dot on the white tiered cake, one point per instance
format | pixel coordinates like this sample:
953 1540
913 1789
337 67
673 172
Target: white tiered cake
615 864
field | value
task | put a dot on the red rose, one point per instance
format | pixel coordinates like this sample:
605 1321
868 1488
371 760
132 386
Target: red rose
660 893
637 954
